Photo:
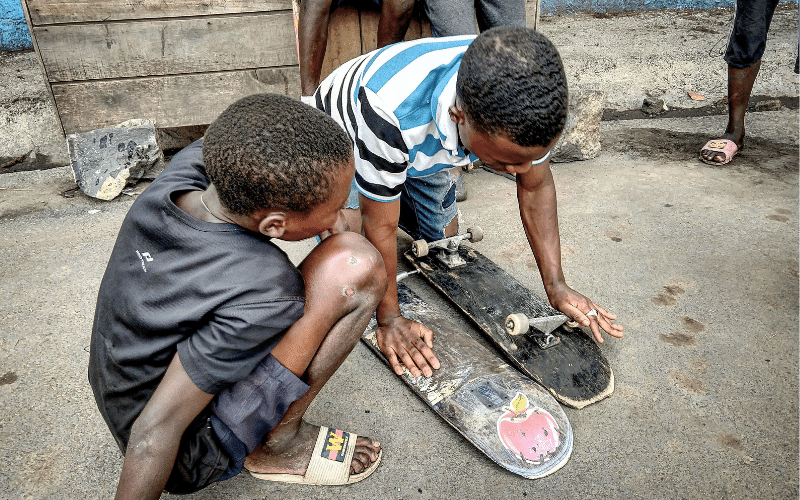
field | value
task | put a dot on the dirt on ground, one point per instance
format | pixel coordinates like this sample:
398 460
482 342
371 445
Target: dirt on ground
700 262
666 54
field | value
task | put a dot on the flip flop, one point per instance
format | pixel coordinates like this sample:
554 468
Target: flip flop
725 146
330 462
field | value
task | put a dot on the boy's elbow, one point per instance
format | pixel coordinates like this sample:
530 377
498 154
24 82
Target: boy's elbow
148 438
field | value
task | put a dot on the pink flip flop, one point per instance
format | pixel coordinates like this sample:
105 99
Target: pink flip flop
725 146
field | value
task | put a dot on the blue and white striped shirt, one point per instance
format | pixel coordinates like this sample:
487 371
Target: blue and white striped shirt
393 103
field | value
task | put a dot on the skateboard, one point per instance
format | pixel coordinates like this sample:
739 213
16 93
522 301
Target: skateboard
535 337
507 416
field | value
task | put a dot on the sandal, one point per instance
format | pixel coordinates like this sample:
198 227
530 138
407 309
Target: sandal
330 462
725 146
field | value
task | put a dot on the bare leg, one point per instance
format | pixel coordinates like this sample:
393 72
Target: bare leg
740 85
452 228
345 280
395 18
312 35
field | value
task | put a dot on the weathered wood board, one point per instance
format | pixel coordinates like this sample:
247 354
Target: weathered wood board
170 101
91 11
177 63
110 50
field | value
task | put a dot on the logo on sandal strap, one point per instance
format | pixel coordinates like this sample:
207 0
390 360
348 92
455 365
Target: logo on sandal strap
335 445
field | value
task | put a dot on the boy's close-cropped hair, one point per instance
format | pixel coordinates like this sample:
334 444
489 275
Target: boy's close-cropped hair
269 151
511 81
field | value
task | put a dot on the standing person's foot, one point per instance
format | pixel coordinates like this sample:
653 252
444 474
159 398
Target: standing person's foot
315 455
721 151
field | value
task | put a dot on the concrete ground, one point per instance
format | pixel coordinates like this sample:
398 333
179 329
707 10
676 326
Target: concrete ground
699 262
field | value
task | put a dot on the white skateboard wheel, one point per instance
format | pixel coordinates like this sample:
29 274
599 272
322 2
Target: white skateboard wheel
475 234
517 324
419 248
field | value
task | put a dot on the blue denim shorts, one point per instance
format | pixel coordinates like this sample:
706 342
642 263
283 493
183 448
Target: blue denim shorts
245 412
427 205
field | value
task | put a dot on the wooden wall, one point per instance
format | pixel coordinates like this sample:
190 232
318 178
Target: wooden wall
179 63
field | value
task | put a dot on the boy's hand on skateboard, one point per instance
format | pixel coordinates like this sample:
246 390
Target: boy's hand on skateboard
585 312
410 343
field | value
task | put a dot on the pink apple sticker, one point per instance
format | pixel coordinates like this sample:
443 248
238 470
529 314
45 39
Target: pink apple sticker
530 433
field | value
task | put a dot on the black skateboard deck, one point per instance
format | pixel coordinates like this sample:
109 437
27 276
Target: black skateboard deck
507 416
574 371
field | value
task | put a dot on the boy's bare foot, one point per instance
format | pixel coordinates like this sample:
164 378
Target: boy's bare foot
285 453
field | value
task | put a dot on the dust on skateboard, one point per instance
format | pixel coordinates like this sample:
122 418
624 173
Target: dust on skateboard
507 416
567 361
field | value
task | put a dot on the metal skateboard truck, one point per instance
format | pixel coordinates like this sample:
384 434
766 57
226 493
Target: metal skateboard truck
448 247
520 324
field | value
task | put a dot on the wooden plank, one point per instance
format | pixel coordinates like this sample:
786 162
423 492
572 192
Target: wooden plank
170 101
169 47
41 64
82 11
344 42
532 12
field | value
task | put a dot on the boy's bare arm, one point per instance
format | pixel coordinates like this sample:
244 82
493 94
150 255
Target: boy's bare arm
156 434
536 194
400 339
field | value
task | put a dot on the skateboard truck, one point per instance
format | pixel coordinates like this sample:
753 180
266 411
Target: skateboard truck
448 247
519 324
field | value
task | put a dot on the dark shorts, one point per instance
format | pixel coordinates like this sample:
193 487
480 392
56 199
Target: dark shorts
458 17
215 445
749 34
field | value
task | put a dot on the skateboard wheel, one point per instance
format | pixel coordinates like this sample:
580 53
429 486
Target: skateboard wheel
573 324
475 234
419 248
517 324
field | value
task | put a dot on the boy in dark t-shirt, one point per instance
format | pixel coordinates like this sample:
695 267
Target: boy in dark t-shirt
208 344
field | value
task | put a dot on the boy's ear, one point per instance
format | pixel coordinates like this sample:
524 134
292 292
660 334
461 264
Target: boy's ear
273 224
456 114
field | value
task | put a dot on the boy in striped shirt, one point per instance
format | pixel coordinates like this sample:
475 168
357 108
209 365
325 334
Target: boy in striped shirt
415 110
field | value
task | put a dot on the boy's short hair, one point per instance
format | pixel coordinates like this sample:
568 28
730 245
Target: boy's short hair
268 151
511 81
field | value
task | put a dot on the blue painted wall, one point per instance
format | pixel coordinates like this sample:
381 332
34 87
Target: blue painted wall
13 29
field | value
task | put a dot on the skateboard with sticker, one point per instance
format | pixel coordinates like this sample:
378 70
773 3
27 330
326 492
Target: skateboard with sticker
507 416
535 338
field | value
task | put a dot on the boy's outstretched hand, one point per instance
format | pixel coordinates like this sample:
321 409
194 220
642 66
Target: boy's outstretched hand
410 343
584 311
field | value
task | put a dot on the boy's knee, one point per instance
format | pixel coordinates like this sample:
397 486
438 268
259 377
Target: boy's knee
349 262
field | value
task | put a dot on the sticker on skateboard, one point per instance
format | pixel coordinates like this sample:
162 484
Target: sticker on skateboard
507 416
530 333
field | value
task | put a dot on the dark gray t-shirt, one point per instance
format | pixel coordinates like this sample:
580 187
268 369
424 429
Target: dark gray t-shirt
218 294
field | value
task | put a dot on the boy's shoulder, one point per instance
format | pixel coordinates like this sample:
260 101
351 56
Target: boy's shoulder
186 164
